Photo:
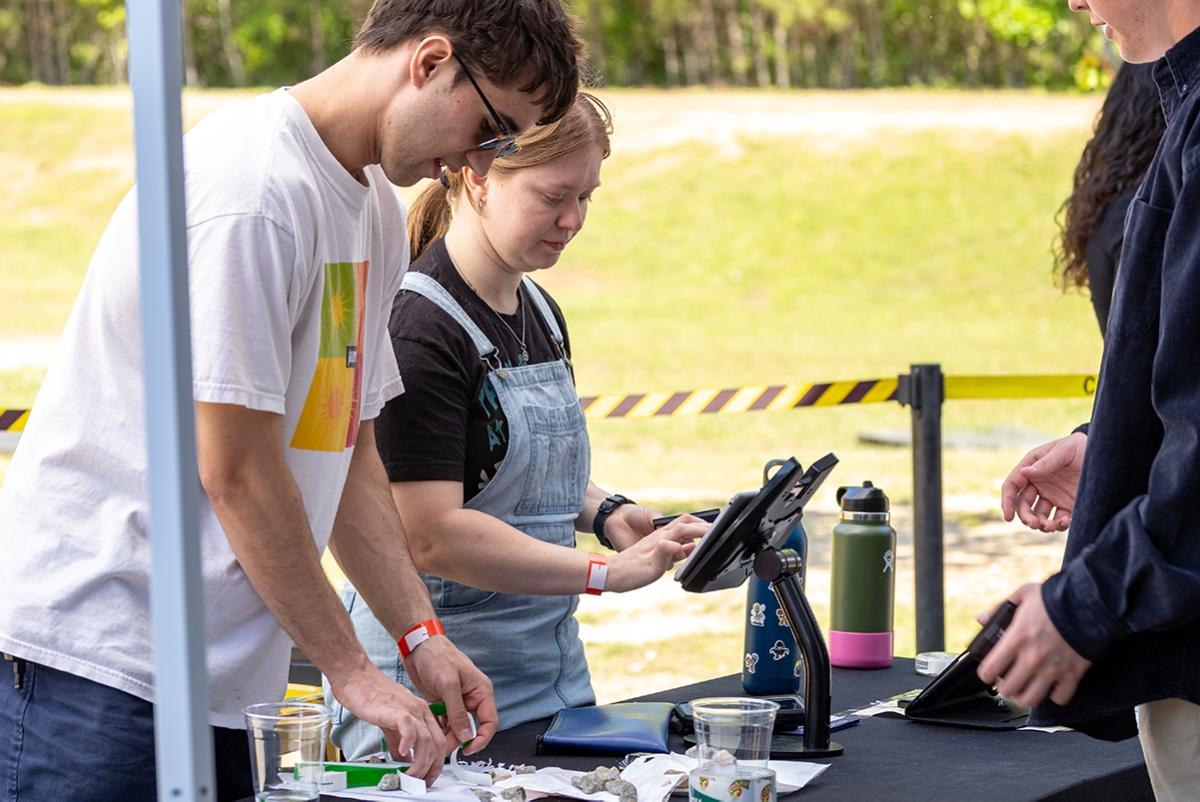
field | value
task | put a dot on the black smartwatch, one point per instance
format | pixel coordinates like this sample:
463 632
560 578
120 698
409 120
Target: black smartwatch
606 509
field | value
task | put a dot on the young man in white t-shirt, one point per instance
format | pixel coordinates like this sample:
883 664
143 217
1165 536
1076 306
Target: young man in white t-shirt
296 249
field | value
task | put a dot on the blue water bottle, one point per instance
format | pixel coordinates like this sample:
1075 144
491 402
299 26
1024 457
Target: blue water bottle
771 664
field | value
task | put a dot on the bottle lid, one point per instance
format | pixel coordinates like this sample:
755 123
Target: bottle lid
867 498
930 664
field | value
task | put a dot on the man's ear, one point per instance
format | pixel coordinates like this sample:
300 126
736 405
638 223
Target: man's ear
433 55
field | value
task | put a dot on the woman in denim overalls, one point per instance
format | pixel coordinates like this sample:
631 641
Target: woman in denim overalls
484 357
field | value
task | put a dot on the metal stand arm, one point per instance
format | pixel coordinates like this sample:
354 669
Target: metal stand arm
780 568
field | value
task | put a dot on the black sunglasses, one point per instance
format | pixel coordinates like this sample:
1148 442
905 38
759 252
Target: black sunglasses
506 143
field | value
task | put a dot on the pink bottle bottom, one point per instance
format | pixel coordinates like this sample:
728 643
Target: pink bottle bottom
860 649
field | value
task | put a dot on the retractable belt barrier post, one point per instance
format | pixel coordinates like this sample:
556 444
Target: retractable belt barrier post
923 390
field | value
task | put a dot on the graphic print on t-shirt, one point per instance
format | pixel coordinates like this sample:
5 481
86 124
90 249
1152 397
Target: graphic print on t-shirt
329 420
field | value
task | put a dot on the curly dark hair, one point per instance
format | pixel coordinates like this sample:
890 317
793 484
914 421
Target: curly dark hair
1116 158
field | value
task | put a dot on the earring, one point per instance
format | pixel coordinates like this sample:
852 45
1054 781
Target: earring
481 204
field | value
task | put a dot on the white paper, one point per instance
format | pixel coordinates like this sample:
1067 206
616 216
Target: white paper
650 775
655 784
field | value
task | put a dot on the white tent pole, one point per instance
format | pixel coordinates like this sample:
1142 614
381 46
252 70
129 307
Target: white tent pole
183 741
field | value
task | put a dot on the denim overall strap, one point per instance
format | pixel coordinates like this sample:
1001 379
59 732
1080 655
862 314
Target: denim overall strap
424 285
540 302
528 646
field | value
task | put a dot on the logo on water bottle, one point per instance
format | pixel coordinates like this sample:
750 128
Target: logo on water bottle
799 669
782 616
758 614
887 561
779 650
751 661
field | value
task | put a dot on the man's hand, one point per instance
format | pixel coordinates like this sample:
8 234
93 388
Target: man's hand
1041 489
1031 661
442 673
411 731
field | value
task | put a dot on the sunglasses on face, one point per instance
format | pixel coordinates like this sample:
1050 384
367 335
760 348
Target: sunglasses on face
506 143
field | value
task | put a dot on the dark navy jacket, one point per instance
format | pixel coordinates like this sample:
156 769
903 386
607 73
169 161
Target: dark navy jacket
1128 595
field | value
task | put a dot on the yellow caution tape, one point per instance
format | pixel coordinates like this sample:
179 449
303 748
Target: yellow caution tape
785 396
1020 386
13 420
792 396
739 399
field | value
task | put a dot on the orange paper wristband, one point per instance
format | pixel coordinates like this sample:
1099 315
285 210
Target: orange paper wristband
418 635
597 574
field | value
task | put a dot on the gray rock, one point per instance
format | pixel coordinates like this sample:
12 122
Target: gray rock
626 790
389 782
590 783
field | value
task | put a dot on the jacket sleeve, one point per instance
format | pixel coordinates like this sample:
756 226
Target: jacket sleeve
1141 572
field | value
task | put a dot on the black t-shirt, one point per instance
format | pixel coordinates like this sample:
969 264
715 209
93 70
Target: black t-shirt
1103 253
447 425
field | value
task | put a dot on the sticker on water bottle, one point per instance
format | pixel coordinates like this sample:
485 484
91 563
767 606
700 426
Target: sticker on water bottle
758 614
751 661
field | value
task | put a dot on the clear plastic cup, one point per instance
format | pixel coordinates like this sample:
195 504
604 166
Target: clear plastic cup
715 783
282 735
739 726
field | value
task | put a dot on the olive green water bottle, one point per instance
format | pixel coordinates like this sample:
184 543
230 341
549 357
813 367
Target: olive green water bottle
863 589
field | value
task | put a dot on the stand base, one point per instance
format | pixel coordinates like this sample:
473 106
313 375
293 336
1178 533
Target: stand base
791 747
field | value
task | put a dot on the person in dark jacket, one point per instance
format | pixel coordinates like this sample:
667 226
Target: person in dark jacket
1114 161
1118 626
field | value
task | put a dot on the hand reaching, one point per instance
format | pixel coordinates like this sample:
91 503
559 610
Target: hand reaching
411 731
1031 661
1041 489
654 551
444 674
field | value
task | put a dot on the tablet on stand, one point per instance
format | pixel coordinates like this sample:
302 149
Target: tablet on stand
744 540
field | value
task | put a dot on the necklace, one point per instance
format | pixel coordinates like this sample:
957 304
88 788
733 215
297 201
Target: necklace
520 302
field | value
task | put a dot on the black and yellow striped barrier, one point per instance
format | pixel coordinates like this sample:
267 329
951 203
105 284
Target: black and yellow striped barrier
792 396
775 398
13 420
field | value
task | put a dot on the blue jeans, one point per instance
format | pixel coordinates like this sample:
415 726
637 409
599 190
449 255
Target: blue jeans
63 737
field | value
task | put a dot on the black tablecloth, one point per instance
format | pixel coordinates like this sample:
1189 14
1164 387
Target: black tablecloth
899 759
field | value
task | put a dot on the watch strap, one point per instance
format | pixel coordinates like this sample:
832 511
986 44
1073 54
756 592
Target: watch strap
606 509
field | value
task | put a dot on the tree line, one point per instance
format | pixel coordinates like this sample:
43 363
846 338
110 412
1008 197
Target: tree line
835 44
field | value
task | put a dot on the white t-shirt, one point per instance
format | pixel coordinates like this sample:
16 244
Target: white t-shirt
293 268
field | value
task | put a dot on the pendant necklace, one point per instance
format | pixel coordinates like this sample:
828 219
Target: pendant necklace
520 302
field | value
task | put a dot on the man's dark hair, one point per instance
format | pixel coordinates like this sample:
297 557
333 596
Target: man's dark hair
507 41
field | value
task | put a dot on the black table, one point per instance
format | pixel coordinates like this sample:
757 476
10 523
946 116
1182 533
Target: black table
899 759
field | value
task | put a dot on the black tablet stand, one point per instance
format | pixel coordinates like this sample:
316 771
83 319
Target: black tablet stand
780 568
741 541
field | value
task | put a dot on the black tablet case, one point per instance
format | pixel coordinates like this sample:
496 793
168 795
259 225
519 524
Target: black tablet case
959 698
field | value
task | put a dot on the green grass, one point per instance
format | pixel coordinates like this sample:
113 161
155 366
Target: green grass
794 263
63 170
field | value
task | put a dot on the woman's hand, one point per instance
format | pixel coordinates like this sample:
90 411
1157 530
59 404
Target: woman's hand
628 524
654 551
